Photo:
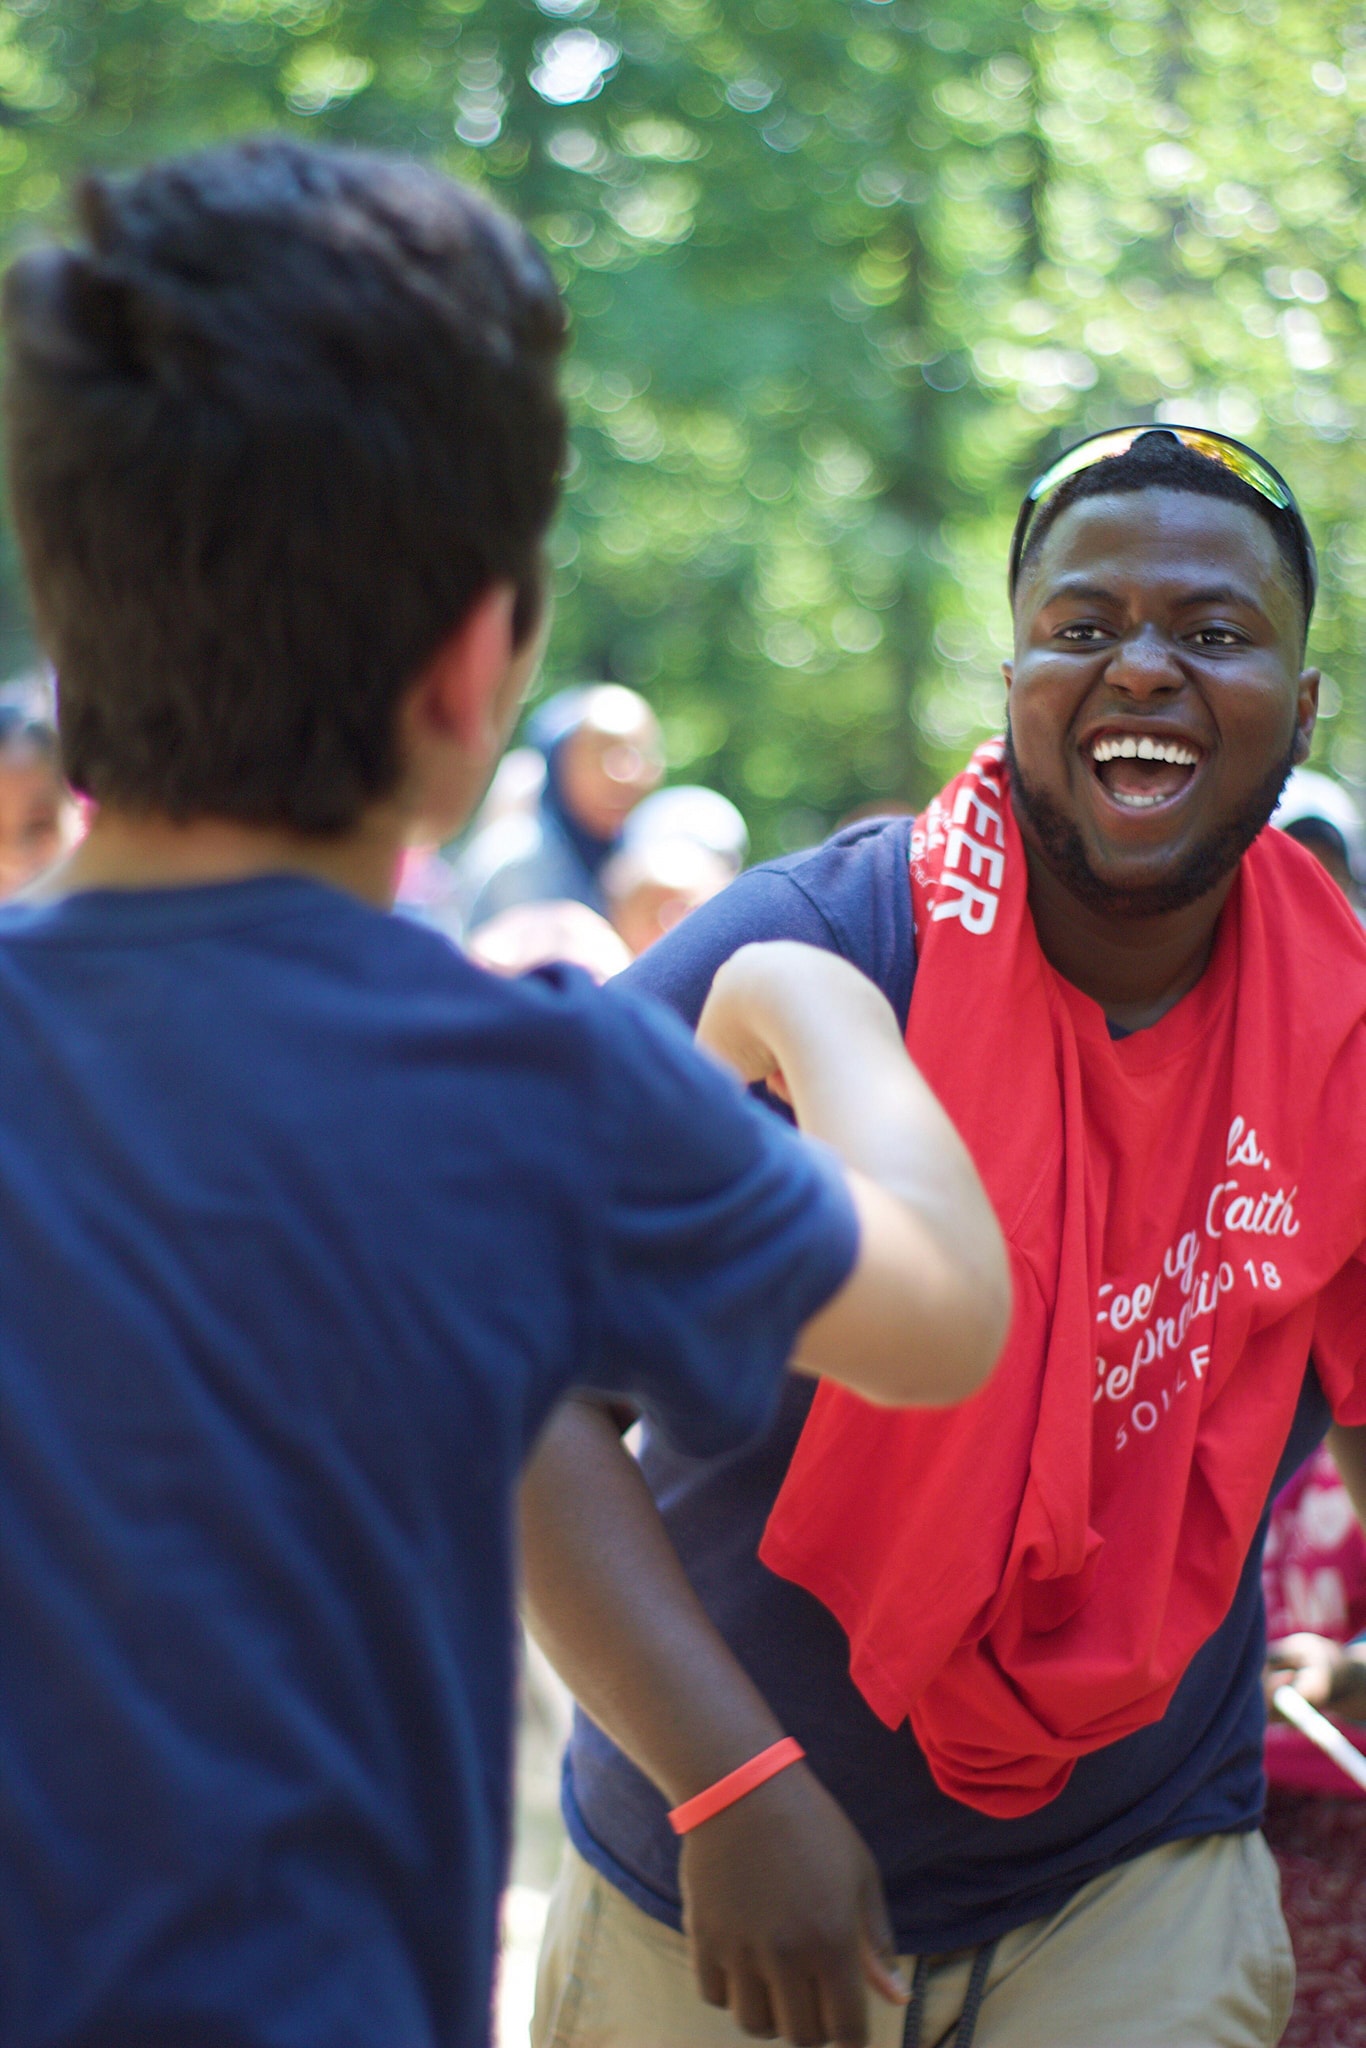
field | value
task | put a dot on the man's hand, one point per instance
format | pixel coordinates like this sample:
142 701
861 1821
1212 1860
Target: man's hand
782 1901
783 1909
1331 1676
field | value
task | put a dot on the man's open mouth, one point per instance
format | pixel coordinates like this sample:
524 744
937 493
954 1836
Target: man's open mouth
1141 771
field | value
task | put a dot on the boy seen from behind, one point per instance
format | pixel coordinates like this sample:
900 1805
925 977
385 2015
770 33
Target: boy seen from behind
308 1221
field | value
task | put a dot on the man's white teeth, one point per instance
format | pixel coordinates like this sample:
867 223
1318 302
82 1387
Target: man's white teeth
1133 802
1127 746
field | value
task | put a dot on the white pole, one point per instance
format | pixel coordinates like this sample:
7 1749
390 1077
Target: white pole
1321 1732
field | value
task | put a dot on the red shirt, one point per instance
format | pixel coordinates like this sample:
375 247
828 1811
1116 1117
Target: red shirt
1026 1577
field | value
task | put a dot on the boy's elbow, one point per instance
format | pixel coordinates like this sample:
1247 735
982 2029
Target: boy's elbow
925 1316
988 1306
971 1328
986 1309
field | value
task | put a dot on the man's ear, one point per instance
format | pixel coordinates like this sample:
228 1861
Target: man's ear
461 693
1306 713
1008 671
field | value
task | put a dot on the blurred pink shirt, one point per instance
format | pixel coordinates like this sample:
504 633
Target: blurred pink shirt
1314 1578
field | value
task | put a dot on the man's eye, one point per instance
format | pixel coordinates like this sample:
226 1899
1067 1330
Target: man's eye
1080 632
1218 636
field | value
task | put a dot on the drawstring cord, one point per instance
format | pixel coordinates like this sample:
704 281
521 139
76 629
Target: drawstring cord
976 1992
966 2029
915 2011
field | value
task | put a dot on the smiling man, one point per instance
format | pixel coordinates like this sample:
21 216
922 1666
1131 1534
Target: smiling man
1019 1641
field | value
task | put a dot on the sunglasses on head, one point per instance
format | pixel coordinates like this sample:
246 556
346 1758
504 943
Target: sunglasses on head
1243 462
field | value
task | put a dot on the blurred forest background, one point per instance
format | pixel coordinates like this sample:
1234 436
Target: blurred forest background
844 274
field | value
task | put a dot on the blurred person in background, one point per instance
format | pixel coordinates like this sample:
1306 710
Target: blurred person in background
1314 1580
651 888
603 754
39 817
679 849
689 810
535 934
1314 1577
431 888
1320 814
515 789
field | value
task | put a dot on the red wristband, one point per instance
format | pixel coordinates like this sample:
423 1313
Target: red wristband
735 1784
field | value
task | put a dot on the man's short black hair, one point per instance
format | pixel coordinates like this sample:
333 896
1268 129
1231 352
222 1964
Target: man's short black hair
1158 461
275 423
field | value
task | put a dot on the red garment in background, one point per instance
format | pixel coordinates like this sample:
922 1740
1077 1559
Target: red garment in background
1314 1578
1028 1575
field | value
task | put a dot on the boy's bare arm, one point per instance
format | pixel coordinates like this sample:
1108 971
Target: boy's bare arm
782 1902
924 1314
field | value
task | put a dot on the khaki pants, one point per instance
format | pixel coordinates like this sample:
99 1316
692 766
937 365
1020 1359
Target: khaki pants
1182 1948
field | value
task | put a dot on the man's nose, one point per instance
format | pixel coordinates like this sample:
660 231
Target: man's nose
1145 664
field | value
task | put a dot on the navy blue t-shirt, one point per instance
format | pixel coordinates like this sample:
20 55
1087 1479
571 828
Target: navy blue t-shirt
954 1877
307 1224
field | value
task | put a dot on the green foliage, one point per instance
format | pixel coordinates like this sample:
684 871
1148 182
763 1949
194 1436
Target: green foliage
844 274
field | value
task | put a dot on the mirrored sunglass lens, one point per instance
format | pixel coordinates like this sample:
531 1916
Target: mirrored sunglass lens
1079 458
1244 464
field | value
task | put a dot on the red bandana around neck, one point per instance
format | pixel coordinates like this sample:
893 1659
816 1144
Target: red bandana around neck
1028 1575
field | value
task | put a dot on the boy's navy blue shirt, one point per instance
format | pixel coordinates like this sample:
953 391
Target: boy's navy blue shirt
307 1224
955 1878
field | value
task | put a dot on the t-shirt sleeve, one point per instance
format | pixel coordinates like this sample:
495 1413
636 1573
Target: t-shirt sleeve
851 896
720 1233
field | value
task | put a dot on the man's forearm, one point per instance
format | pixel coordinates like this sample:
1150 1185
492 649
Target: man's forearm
611 1606
782 1903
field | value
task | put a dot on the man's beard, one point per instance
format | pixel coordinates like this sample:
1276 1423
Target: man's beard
1207 864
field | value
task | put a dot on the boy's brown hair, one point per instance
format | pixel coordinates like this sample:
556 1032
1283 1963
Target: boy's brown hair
274 424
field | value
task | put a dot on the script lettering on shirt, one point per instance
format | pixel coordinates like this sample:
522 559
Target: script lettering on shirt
1270 1214
1166 1335
1242 1148
1202 1272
